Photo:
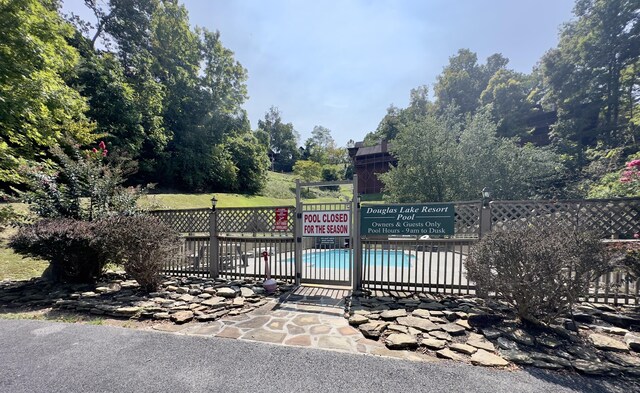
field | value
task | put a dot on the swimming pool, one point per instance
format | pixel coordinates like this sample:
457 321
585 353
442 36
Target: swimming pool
339 259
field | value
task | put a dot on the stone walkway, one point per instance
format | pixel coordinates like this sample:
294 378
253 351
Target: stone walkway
308 317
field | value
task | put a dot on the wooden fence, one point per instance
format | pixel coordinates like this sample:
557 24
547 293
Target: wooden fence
235 239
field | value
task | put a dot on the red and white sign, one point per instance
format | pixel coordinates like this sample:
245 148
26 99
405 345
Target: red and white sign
282 219
326 223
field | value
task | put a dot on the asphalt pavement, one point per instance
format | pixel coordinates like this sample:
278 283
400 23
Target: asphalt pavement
37 356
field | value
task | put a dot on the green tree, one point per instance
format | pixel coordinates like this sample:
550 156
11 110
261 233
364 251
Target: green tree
307 170
38 108
250 159
283 140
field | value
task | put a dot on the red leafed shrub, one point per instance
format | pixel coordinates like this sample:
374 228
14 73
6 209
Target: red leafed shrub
72 248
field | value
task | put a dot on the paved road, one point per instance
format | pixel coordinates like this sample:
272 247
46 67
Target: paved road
55 357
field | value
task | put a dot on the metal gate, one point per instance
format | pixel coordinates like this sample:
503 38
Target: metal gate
326 238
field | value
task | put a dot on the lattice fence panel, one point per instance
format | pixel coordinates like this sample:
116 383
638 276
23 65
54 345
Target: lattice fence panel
252 220
185 221
614 217
467 219
521 214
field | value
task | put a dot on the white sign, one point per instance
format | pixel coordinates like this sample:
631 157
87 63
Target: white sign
326 223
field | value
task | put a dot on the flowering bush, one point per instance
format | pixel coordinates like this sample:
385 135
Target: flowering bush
81 185
632 172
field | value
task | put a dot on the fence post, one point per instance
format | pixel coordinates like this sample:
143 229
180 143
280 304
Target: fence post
298 235
357 248
485 219
213 241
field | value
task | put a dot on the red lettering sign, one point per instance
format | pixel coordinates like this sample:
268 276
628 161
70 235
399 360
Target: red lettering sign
282 219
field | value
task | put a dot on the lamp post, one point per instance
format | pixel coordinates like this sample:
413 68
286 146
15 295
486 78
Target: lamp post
486 196
214 201
214 268
359 200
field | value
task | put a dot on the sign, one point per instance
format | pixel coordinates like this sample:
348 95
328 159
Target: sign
326 223
282 219
417 220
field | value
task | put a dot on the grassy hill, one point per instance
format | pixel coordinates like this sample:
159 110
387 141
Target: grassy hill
279 191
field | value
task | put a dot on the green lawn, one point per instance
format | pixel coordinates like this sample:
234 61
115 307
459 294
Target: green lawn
14 266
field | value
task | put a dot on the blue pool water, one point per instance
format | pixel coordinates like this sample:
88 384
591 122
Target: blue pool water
339 259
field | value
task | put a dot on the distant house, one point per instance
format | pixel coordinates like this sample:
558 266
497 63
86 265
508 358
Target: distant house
368 162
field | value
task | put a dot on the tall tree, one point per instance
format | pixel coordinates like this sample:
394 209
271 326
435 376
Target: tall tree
38 108
591 73
283 140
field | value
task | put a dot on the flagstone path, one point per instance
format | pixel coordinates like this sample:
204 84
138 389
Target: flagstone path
308 317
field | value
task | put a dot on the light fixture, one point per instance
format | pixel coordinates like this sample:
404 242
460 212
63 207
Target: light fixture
486 196
214 201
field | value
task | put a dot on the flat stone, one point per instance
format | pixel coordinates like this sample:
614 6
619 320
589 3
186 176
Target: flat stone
357 319
182 290
421 313
299 341
623 359
226 292
481 343
433 343
453 329
546 365
491 334
347 331
398 328
604 307
620 320
521 337
319 329
505 343
247 292
171 288
548 342
254 322
401 341
182 317
440 335
237 302
517 357
389 315
633 341
464 323
463 348
127 311
583 353
550 359
432 306
214 302
333 342
607 343
265 336
186 298
161 315
306 320
277 324
372 329
592 367
437 320
418 323
611 330
448 354
484 358
295 330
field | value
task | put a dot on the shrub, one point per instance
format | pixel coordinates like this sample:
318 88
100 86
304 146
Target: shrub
626 255
71 247
81 185
142 244
541 272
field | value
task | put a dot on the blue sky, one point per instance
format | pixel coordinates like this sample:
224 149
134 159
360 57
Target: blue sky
340 64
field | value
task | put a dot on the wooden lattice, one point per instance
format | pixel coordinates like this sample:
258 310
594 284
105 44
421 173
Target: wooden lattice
467 219
607 218
612 217
185 221
251 220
